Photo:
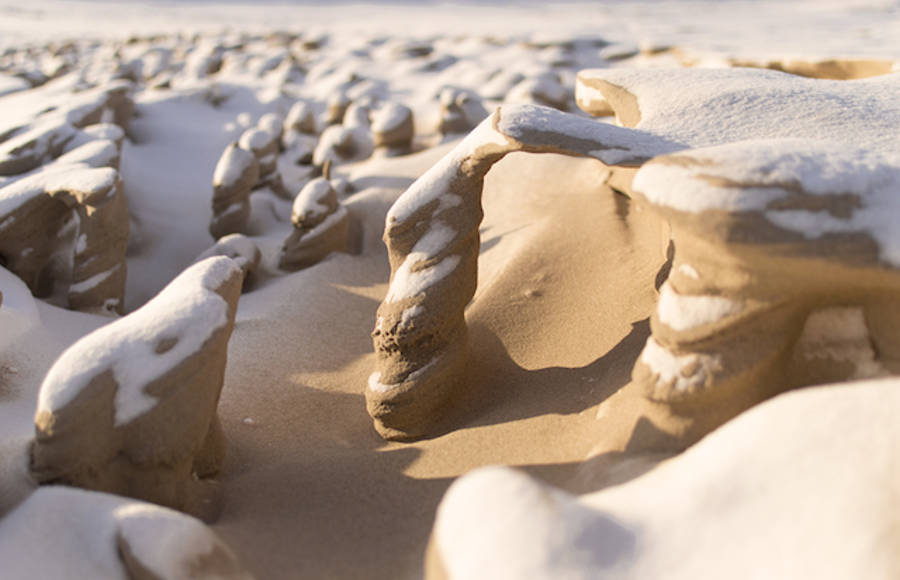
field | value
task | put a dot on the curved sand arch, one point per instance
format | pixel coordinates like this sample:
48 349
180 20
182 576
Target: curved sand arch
432 238
432 231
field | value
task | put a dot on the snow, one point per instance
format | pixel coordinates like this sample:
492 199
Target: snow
840 333
759 175
37 140
686 372
433 185
78 179
256 139
745 502
300 114
411 278
689 271
680 312
614 144
310 203
93 281
677 105
238 247
389 117
187 310
329 222
408 316
84 530
232 165
98 153
11 84
377 386
18 312
545 522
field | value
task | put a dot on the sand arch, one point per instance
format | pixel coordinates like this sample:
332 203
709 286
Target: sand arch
433 241
432 237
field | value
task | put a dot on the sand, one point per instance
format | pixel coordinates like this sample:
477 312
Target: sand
572 270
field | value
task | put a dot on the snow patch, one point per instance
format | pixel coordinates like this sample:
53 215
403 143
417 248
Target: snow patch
680 312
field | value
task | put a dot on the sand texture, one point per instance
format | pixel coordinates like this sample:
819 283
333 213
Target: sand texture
434 291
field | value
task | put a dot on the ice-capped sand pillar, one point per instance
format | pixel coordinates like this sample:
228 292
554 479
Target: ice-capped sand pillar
786 273
432 237
131 407
237 173
34 207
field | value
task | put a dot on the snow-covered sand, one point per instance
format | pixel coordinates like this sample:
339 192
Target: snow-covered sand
572 273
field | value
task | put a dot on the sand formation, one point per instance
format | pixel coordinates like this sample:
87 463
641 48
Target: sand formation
461 111
64 222
351 140
321 226
782 274
64 226
693 376
237 173
130 409
393 127
264 142
242 250
681 519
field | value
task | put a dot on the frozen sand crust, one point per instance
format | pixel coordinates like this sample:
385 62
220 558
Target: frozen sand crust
760 478
151 382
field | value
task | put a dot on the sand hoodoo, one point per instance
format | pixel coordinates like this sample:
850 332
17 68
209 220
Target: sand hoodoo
23 148
52 200
63 216
350 141
31 148
321 226
264 144
393 127
242 250
237 173
544 89
274 125
336 106
300 118
107 537
461 110
821 303
131 408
